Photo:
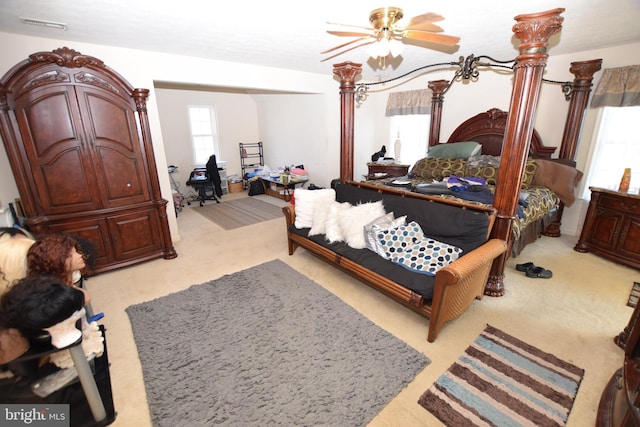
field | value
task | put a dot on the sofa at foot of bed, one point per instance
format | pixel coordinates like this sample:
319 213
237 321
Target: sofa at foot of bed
345 227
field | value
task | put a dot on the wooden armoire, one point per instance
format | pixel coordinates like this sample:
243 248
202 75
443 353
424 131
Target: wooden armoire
78 141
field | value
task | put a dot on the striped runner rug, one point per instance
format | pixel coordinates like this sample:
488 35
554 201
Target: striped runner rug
502 381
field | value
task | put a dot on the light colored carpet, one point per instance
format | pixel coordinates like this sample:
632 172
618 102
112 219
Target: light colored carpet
266 346
575 315
239 212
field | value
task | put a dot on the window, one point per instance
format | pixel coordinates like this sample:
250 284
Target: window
617 147
413 132
204 133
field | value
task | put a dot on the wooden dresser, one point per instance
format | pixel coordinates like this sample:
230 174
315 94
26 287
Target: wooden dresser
386 170
612 227
79 144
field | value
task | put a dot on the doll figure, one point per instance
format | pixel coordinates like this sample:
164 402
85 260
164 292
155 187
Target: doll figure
14 245
57 255
43 303
13 258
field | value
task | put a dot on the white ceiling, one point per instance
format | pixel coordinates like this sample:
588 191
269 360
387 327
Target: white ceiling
292 33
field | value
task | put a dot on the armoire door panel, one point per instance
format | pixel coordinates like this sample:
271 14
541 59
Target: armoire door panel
110 124
134 234
66 185
95 230
55 153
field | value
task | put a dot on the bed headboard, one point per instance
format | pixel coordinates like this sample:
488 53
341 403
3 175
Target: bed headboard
488 129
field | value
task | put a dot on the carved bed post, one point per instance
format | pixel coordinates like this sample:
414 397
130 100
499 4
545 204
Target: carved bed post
438 88
583 72
347 71
533 30
578 101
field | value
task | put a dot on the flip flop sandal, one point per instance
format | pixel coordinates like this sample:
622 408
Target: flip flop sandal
524 267
539 272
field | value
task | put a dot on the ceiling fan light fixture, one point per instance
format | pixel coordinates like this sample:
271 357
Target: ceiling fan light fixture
395 47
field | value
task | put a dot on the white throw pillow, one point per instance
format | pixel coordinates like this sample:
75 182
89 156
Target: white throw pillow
352 222
377 225
333 232
321 210
305 204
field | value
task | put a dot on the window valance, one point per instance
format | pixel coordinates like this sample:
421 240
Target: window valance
409 102
618 87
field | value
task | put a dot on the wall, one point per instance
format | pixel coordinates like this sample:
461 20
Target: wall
236 118
293 128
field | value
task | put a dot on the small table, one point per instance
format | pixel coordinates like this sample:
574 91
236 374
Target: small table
386 170
277 188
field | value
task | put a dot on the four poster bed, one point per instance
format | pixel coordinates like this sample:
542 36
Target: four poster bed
509 135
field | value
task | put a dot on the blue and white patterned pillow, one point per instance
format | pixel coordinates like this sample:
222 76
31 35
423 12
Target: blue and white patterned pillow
396 240
408 247
428 256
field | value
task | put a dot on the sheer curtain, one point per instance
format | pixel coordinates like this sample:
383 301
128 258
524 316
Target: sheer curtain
618 136
410 113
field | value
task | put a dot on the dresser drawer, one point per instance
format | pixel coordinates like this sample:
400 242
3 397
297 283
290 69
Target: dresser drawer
630 205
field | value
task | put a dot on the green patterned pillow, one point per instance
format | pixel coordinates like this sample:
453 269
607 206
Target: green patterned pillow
436 168
489 173
529 171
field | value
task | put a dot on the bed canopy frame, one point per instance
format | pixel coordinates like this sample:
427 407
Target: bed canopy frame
517 132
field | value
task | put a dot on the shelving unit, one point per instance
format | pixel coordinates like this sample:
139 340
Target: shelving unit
251 156
222 170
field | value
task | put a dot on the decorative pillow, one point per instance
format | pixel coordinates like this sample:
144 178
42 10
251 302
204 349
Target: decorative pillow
529 171
394 241
455 150
306 202
436 168
352 222
559 178
320 212
333 232
427 256
489 173
374 227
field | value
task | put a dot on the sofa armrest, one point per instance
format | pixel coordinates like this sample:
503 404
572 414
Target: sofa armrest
458 284
289 215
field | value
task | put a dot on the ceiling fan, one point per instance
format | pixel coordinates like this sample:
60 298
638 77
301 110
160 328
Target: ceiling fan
386 36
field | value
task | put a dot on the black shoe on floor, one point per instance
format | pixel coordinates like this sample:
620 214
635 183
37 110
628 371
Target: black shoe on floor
539 272
524 267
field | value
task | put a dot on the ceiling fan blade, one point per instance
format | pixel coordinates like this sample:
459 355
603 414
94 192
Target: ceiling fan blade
431 37
352 26
426 17
349 33
345 44
366 41
426 26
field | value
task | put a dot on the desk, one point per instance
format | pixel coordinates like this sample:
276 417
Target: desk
276 188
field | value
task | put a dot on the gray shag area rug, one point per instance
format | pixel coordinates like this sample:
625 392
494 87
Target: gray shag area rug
266 346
